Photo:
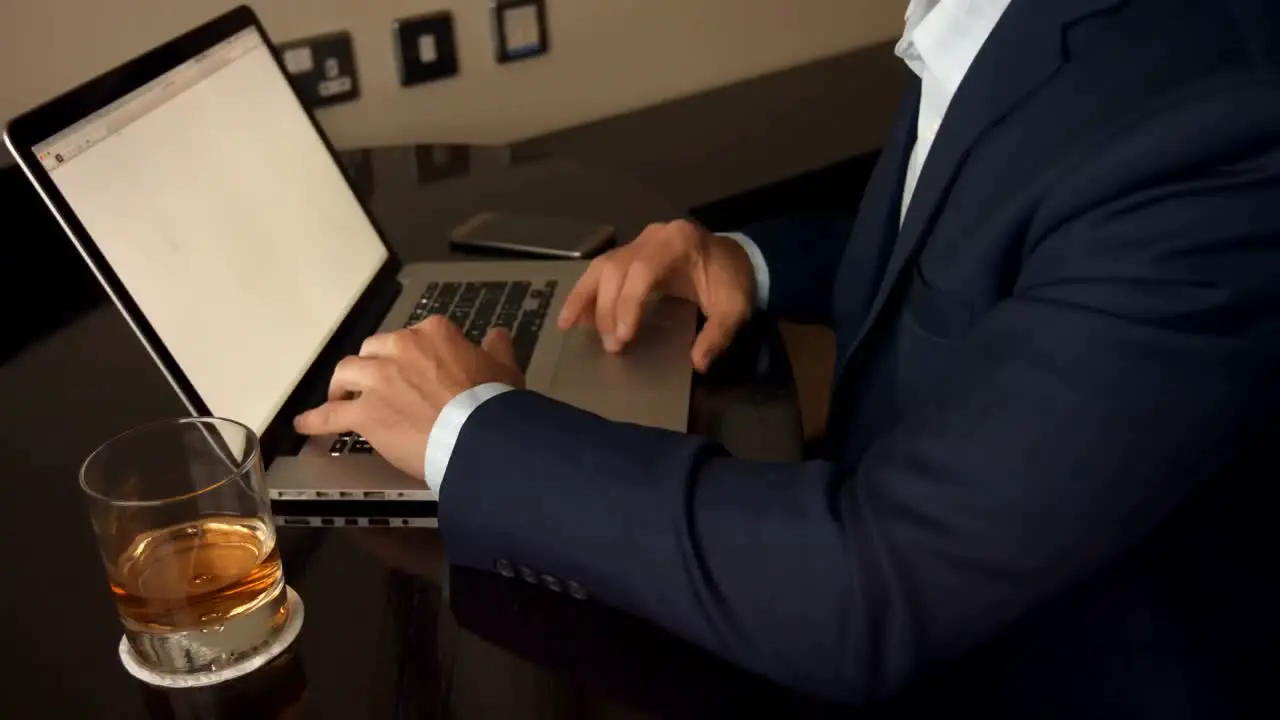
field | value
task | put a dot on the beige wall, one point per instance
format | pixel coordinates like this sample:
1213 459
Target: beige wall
607 56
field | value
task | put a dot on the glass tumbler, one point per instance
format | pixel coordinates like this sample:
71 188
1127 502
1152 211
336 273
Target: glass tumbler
184 526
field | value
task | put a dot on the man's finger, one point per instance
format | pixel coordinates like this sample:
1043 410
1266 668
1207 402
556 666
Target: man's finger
714 338
440 328
354 375
611 278
586 316
331 418
635 290
581 298
382 345
497 342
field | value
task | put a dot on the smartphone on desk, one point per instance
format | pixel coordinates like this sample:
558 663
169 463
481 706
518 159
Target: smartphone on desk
532 236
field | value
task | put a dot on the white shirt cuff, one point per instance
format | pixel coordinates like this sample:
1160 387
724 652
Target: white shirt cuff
444 434
758 267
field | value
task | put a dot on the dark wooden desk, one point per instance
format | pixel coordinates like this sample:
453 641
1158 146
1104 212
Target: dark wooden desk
390 632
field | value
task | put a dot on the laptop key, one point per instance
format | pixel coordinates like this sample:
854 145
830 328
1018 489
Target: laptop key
538 313
506 319
459 317
484 315
524 343
515 296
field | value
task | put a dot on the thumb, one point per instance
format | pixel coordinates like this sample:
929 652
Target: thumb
714 338
497 342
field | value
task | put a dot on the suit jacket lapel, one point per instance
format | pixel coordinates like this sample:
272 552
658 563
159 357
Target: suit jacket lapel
883 198
876 226
1022 53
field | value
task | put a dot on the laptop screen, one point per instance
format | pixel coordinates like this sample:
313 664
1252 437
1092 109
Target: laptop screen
222 212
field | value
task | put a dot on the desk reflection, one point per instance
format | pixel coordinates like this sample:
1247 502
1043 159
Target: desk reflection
498 647
276 691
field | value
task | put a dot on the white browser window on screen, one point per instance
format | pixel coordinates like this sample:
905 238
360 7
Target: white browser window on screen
218 206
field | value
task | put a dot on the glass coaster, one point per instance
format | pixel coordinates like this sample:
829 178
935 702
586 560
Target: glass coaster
277 645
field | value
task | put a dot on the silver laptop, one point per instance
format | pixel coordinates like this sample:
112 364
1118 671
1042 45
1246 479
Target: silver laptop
213 210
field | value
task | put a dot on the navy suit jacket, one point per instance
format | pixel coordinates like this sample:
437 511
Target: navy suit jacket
1054 387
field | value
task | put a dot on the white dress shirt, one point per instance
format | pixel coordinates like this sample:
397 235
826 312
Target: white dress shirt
939 45
941 40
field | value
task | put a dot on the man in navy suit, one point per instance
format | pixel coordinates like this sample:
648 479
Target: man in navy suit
1058 322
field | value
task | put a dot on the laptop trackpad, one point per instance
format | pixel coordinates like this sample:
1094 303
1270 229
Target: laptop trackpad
648 383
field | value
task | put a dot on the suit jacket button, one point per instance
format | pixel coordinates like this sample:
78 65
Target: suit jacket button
504 568
577 590
528 575
550 583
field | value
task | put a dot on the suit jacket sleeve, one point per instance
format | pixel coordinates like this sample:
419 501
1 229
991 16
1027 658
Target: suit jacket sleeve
802 255
1133 362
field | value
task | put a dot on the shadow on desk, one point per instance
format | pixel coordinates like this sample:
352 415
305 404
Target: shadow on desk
472 644
620 666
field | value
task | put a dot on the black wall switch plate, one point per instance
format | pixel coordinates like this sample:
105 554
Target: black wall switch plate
322 68
425 48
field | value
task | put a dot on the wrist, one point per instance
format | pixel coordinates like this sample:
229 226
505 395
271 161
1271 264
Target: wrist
730 254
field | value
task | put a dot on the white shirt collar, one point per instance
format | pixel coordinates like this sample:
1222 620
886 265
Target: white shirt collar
943 37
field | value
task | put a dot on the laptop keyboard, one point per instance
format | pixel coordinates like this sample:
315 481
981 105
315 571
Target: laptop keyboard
474 307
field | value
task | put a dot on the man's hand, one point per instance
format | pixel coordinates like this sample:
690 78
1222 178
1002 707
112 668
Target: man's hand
677 258
393 391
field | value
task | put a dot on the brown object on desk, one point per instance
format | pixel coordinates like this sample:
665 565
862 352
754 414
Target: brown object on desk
812 351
